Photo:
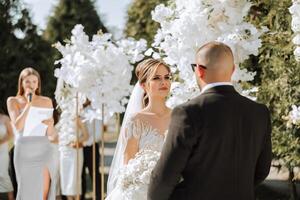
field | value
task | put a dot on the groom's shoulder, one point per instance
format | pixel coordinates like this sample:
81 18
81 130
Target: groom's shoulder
194 102
203 100
252 103
188 106
255 107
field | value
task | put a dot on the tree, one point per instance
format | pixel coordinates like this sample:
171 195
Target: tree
67 14
140 24
21 47
279 78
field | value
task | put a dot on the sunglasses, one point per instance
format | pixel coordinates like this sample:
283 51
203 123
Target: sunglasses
197 65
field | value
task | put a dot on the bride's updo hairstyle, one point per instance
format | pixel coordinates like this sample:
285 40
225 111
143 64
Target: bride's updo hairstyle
145 71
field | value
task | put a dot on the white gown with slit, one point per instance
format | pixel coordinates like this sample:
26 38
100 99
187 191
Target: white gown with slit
32 155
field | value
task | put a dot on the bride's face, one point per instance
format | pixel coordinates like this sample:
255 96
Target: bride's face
159 84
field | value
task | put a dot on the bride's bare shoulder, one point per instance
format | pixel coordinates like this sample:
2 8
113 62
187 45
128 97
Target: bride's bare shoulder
142 116
139 118
136 116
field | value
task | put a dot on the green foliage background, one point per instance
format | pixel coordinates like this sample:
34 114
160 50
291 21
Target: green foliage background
279 74
67 14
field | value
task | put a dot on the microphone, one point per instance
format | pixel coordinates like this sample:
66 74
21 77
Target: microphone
30 97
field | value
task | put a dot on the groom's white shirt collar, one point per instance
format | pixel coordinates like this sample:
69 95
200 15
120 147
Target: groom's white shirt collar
211 85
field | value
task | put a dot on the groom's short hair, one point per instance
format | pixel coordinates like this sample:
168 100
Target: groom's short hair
215 52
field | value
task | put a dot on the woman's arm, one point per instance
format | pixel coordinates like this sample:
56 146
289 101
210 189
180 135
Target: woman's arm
132 133
9 131
53 137
82 127
17 119
131 149
51 131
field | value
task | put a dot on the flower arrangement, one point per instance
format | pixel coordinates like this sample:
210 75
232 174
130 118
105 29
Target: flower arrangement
99 70
188 24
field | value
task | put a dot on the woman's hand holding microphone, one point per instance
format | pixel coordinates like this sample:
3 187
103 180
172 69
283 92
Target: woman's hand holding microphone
29 94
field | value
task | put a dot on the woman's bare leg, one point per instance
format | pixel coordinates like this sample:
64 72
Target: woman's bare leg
70 197
11 196
47 181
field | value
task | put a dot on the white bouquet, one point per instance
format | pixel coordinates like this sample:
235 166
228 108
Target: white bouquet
134 177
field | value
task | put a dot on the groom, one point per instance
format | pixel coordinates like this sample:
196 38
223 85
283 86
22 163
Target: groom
219 143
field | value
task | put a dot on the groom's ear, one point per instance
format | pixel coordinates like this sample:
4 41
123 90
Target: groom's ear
199 72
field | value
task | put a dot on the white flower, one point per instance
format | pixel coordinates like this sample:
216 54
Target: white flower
162 13
295 11
296 39
295 8
149 52
242 75
293 117
133 48
297 53
248 93
296 23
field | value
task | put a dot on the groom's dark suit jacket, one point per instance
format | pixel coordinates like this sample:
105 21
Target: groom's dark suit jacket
218 148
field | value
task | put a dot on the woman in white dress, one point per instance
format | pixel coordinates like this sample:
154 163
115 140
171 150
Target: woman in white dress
33 155
70 185
5 135
142 134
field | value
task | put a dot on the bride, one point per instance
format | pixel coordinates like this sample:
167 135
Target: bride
142 133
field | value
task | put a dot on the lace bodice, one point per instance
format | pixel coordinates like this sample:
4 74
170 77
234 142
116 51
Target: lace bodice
149 137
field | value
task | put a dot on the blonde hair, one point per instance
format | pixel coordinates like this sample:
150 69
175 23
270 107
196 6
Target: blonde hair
146 70
27 72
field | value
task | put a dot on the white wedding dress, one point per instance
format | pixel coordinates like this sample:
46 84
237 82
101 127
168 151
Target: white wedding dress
133 178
